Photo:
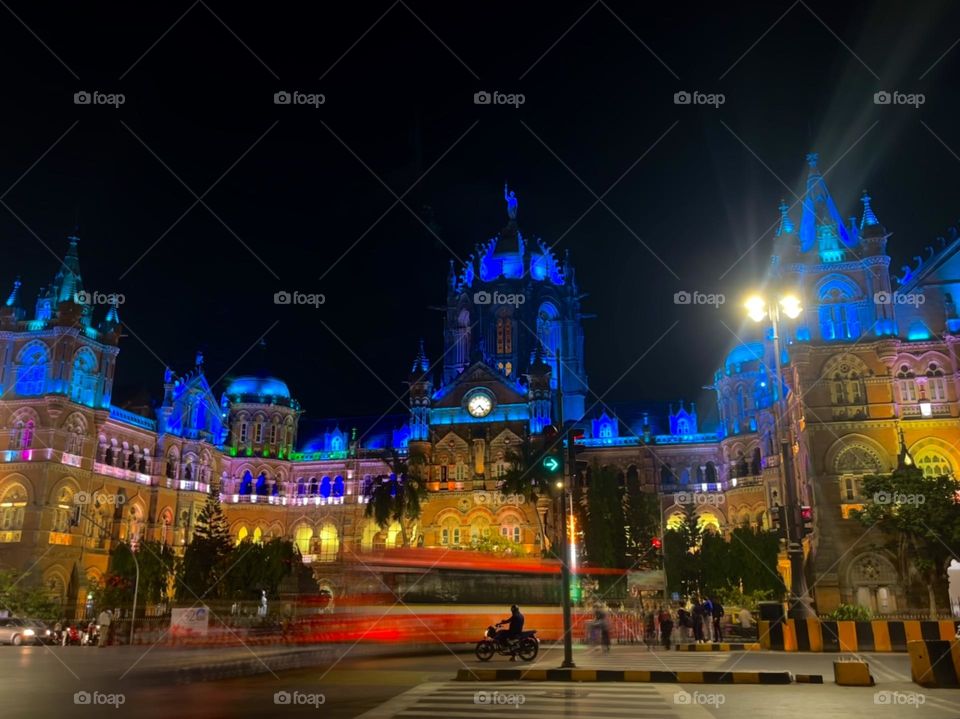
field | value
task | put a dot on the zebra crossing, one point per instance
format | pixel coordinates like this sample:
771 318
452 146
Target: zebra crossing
630 659
538 700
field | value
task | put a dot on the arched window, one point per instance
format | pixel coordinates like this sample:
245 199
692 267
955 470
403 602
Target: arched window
479 529
246 484
936 384
242 534
302 537
83 379
313 485
756 462
329 544
504 335
907 384
26 438
32 369
511 530
933 463
262 483
450 532
13 503
838 313
325 487
338 486
683 426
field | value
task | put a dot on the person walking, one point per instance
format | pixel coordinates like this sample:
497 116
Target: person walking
666 626
717 618
105 618
708 620
697 620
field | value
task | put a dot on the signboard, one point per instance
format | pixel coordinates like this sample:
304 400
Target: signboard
190 622
645 581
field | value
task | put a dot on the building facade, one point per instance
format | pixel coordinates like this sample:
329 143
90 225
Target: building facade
872 359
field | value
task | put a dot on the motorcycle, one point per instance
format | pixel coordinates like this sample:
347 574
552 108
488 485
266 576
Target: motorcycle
525 645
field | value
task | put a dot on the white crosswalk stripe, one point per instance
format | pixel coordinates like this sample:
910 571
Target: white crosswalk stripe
660 661
536 700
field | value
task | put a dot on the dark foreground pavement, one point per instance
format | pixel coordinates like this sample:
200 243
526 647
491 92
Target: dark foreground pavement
374 681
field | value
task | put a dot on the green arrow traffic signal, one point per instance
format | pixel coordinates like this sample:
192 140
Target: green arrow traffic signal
551 463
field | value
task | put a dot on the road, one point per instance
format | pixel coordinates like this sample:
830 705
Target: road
43 681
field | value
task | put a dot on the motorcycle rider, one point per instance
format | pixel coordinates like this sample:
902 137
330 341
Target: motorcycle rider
514 628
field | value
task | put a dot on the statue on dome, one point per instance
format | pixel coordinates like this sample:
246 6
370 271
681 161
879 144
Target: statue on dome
511 198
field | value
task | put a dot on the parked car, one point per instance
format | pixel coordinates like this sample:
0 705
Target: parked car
44 634
17 631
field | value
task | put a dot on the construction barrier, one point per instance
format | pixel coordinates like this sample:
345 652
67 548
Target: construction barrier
879 635
720 647
622 675
852 674
935 663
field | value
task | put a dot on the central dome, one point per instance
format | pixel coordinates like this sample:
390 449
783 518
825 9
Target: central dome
258 386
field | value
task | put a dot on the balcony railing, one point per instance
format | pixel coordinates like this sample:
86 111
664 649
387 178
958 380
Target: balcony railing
312 500
711 487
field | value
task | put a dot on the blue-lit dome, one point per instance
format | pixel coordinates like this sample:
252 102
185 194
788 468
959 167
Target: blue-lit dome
750 352
258 386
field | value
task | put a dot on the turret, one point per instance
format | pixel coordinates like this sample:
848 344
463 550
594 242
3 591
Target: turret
421 392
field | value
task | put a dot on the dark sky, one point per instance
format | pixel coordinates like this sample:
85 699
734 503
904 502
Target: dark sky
399 80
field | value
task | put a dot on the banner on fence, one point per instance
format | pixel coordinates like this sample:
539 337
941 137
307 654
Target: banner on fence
191 622
645 581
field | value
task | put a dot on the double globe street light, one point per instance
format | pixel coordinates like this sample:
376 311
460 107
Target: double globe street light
758 309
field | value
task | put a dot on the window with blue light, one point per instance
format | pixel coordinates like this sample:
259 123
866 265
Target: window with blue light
32 370
338 486
83 378
325 487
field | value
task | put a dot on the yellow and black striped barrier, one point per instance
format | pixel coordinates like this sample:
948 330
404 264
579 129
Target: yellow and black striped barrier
935 663
720 647
852 674
622 675
879 635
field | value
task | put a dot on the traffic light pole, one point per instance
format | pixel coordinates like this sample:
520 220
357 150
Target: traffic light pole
564 540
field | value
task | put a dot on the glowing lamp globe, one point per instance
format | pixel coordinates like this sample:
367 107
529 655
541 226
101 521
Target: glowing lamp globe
756 308
791 306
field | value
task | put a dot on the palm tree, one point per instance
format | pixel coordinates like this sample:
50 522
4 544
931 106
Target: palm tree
396 497
528 478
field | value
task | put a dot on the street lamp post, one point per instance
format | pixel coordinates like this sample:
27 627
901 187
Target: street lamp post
759 308
562 486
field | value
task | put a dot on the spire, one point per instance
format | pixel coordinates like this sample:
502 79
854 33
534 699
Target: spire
869 218
14 299
113 316
786 224
420 363
67 283
821 224
199 359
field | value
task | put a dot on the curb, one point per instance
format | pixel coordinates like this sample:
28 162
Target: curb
623 675
720 647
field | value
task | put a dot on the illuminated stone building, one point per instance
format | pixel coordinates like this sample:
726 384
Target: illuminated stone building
863 363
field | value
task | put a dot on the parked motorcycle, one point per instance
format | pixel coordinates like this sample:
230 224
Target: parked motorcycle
525 645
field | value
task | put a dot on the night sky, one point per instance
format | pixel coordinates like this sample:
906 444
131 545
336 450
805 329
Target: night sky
295 187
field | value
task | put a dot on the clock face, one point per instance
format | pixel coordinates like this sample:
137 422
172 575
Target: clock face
479 405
